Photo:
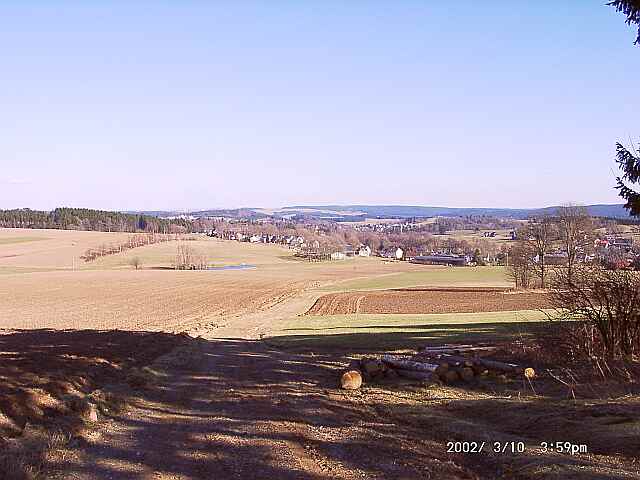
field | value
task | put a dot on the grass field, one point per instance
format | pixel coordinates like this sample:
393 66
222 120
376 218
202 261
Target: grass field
393 332
433 276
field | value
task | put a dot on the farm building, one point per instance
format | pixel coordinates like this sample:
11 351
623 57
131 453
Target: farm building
396 253
338 256
364 251
442 259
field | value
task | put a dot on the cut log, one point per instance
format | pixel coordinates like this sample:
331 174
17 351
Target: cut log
454 349
391 373
425 376
480 371
466 374
354 365
442 368
461 361
450 376
501 366
351 380
446 347
372 367
406 364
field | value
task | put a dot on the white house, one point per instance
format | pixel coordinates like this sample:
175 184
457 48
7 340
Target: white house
364 251
399 253
338 256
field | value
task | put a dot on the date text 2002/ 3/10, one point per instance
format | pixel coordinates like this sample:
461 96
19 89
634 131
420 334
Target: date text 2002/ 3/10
479 447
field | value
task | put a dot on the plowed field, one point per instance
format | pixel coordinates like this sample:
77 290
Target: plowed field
419 301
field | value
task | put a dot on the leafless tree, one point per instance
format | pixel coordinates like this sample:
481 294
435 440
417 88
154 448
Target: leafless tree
539 236
521 264
135 262
184 257
608 300
576 231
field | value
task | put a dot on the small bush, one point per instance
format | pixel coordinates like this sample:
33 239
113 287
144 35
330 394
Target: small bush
604 306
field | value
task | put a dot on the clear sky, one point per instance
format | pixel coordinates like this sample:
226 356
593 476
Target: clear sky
198 104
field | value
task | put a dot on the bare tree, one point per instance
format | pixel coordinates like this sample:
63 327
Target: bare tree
135 262
539 236
521 264
576 229
608 300
184 257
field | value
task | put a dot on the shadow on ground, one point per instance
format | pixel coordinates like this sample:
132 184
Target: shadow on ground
381 337
241 409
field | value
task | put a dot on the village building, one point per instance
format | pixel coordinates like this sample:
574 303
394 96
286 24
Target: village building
338 256
442 259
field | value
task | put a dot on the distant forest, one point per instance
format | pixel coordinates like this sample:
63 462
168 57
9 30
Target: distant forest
92 220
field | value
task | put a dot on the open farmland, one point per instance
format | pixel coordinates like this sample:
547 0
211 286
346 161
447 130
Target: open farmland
39 288
427 300
262 369
24 251
429 276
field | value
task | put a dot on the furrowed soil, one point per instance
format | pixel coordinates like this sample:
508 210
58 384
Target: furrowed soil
428 300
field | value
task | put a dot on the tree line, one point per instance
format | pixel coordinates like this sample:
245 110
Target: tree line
92 220
134 241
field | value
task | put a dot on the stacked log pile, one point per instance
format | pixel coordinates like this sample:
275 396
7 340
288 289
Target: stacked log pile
449 364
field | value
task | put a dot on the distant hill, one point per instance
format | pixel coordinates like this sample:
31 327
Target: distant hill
405 211
360 212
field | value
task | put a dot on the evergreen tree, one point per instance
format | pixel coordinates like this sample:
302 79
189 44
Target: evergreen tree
629 163
629 160
630 8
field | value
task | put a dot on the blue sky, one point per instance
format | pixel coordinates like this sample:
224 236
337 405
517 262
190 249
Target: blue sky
194 104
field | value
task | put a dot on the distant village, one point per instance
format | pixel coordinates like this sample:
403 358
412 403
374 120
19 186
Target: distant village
440 241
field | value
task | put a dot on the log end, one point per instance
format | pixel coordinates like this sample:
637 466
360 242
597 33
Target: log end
351 380
450 376
466 374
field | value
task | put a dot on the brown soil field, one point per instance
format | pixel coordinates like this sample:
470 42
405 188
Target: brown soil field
424 301
38 289
25 250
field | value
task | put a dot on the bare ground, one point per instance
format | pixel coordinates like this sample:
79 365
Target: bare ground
241 409
427 300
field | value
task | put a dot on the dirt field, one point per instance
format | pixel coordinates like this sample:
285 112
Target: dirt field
430 300
38 288
23 250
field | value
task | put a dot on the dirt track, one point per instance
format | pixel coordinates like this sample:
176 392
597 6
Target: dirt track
239 409
418 301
